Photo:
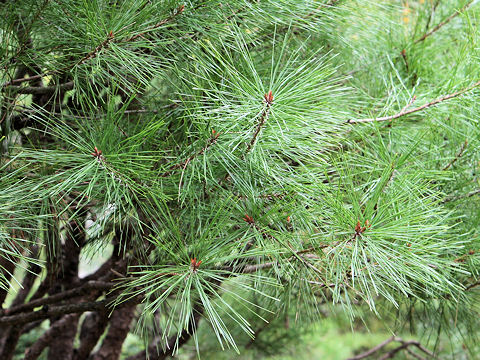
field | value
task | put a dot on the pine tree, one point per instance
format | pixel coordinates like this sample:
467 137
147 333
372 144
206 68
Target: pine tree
237 167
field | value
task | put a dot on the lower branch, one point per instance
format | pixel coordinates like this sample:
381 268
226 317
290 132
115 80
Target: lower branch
92 328
117 332
12 335
372 350
84 289
41 90
173 343
35 350
47 312
391 353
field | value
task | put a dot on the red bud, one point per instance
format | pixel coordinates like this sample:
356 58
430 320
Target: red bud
248 219
269 97
358 227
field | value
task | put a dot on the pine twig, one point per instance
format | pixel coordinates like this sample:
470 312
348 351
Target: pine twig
467 195
249 269
471 286
184 164
444 22
263 118
459 154
178 11
405 59
404 111
432 13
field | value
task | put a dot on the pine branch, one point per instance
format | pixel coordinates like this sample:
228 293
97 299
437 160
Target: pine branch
405 110
372 350
92 328
405 344
11 338
75 292
444 22
30 326
117 332
41 90
390 354
35 350
152 352
47 312
416 356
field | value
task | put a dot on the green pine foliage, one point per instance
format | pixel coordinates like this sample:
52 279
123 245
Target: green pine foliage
215 145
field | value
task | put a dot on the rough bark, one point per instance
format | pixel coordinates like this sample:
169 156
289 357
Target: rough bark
93 326
117 332
57 330
61 346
